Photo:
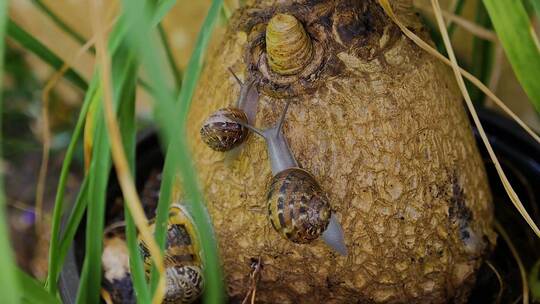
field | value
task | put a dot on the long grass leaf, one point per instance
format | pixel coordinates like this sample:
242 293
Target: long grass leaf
54 262
518 39
83 197
9 287
69 231
59 22
534 281
33 45
482 55
457 9
162 9
172 130
170 57
124 78
184 164
33 290
98 179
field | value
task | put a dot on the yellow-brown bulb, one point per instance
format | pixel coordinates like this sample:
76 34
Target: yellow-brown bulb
289 48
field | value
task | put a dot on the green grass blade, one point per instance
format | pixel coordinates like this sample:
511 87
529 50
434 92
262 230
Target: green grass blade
514 30
70 229
482 55
534 281
170 57
163 7
31 44
9 287
460 4
55 262
77 36
98 175
172 130
59 22
83 197
33 290
124 77
536 6
196 61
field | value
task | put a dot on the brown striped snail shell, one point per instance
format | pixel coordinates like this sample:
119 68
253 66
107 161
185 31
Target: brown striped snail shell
221 130
288 46
224 129
182 260
297 206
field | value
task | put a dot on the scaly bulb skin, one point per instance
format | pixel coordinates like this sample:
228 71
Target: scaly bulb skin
381 125
182 260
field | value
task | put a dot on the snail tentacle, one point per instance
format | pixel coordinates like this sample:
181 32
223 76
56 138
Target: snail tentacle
235 77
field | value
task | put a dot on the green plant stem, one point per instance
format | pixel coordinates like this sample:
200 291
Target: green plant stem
98 179
31 44
513 28
170 57
74 219
457 11
171 122
33 290
9 287
54 262
124 77
71 32
482 56
61 23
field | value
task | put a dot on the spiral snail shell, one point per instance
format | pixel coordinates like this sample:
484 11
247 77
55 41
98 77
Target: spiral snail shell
288 46
221 131
298 208
183 264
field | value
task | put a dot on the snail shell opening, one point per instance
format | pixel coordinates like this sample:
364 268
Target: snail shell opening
288 46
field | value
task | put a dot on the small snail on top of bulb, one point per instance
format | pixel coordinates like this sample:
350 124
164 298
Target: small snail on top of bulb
183 263
298 208
221 131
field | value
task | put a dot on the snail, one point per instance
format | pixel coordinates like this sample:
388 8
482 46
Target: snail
220 131
183 263
288 45
298 208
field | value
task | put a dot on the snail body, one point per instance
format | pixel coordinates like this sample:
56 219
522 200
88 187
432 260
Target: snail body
298 208
221 130
182 261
